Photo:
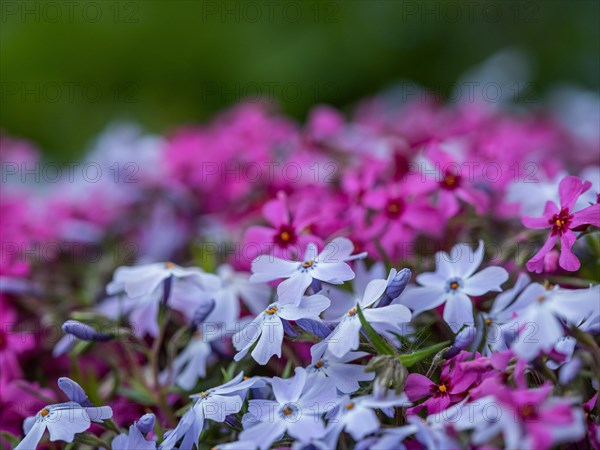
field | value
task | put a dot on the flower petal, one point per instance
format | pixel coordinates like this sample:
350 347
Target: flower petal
569 190
420 299
32 438
292 289
587 216
288 390
568 260
270 341
489 279
268 268
458 311
418 386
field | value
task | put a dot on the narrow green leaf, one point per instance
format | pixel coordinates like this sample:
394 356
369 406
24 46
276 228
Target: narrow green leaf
382 346
287 371
411 359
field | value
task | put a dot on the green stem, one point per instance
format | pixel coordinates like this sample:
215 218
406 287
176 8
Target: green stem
411 359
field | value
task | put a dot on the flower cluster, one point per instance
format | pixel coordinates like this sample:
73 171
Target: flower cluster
387 280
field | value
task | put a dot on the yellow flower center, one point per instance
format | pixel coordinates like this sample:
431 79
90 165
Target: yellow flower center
488 322
272 310
319 364
443 389
169 265
352 312
308 264
197 335
350 405
287 412
204 394
284 236
454 285
44 412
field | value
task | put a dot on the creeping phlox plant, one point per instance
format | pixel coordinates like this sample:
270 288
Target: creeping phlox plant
415 276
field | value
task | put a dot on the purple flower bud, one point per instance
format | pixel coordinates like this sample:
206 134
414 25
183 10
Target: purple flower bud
463 339
73 391
202 313
146 423
316 285
167 289
315 327
85 332
288 328
395 287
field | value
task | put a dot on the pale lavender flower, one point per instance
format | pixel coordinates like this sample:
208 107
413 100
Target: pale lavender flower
330 266
63 420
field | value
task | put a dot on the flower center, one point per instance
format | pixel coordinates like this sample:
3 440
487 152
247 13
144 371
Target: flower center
272 310
350 405
307 264
394 208
2 340
169 265
488 322
44 412
560 222
450 181
319 364
204 394
197 335
286 236
528 411
288 410
442 388
352 312
453 285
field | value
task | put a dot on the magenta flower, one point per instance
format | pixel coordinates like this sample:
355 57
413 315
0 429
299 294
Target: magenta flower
289 232
451 388
563 222
526 418
453 183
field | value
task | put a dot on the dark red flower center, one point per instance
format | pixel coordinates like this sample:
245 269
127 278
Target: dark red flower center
441 389
394 208
285 236
560 222
450 181
528 412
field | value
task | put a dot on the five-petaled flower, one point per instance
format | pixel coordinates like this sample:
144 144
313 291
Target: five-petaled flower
563 222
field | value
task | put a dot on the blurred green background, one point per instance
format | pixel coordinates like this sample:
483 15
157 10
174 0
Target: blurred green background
70 68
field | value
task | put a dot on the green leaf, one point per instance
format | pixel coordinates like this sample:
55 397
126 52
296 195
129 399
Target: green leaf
410 359
139 393
382 346
287 371
14 440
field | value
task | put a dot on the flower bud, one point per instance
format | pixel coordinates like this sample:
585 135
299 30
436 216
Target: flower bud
146 423
395 287
85 332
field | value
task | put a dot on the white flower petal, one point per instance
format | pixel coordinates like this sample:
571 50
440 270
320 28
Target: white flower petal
292 289
489 279
270 341
458 311
33 437
420 299
345 337
374 290
268 268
